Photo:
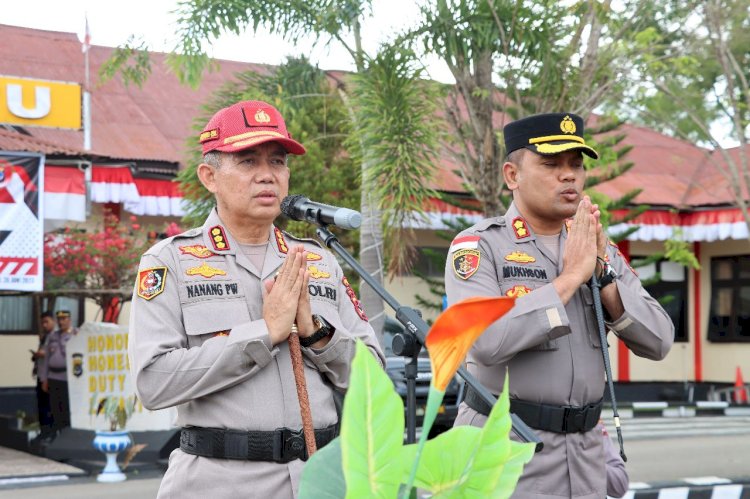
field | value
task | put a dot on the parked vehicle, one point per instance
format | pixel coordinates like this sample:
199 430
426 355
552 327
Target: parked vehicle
395 367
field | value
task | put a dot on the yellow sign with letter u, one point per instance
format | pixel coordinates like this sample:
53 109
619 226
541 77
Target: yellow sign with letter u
28 102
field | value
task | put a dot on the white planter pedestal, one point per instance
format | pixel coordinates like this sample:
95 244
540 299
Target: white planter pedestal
111 443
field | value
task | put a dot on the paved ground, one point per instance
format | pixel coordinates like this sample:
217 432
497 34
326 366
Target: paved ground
656 457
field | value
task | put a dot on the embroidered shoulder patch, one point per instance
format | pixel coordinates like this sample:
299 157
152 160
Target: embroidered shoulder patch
218 238
464 242
197 250
355 301
518 291
151 282
520 257
205 270
466 262
520 228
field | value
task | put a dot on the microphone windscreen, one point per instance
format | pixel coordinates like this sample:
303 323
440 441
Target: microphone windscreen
287 205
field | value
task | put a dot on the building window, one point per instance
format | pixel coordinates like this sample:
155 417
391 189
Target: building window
729 317
17 314
667 282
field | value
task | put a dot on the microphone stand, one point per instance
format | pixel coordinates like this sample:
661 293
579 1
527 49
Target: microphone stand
414 324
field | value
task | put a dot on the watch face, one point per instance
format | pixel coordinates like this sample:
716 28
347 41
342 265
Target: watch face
317 322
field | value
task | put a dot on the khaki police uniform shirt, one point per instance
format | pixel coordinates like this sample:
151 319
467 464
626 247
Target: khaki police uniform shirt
198 341
552 351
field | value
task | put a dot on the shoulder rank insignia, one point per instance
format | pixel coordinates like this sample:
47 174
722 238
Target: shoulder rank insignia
218 238
316 273
520 257
151 282
464 242
280 241
520 228
205 270
355 301
518 291
197 250
466 262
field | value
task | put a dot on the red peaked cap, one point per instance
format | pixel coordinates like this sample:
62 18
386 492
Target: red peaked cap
247 124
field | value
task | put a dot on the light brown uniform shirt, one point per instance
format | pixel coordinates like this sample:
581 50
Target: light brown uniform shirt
552 351
198 341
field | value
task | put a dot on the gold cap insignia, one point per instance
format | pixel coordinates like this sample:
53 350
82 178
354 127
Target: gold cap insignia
209 135
205 270
520 257
316 273
262 117
567 125
197 250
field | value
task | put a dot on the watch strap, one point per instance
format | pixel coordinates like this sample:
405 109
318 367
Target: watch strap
324 330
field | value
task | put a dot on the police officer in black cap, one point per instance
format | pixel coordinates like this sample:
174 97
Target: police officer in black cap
543 251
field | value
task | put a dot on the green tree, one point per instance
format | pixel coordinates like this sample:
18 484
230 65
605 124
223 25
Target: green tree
201 22
695 74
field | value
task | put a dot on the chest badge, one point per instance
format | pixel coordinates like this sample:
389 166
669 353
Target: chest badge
466 262
520 257
518 291
316 273
197 250
205 270
520 228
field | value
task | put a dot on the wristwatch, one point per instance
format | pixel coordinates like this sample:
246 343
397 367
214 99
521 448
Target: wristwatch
322 329
608 275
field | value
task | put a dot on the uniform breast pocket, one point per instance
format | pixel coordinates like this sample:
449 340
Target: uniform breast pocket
592 327
206 319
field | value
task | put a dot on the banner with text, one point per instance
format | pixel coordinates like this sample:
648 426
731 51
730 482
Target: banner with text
98 368
21 221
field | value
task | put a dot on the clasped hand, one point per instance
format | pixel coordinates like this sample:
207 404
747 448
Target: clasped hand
286 300
586 241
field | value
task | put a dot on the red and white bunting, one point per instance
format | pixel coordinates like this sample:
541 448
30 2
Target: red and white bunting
157 197
113 184
64 193
705 226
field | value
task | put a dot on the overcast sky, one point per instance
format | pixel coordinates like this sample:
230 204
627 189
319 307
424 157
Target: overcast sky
111 24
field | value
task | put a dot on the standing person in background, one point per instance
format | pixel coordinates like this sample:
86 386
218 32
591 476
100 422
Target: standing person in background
543 251
47 323
53 370
617 476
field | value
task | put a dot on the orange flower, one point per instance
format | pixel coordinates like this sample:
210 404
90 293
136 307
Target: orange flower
456 329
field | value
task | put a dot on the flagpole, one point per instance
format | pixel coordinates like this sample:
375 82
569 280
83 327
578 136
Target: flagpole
86 94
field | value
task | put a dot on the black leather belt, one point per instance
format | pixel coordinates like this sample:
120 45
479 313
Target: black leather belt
281 445
57 369
556 418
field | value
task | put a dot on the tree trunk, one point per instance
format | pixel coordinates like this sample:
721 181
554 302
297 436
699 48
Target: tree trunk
371 257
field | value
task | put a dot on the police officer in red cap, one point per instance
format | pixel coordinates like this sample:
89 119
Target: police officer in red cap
543 251
209 323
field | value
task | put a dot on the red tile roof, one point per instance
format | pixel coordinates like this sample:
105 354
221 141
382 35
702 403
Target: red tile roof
153 123
149 123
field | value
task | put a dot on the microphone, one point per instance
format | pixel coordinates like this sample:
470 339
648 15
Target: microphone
298 207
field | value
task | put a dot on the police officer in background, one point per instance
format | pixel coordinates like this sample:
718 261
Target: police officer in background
543 251
213 308
53 371
47 323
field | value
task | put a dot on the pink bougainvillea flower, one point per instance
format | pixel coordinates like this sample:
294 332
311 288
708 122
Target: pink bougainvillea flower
456 329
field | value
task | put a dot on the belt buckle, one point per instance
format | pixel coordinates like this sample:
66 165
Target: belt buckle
289 445
566 415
